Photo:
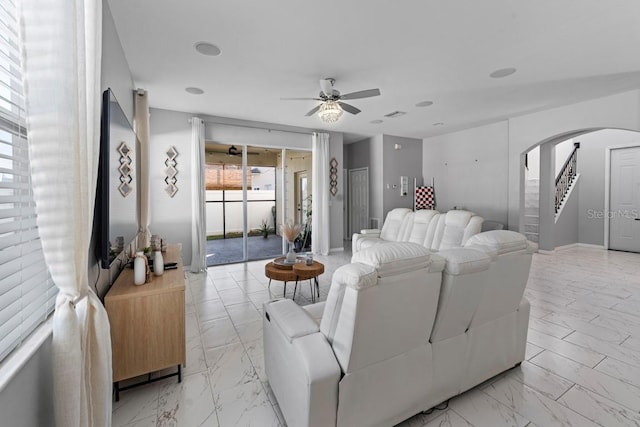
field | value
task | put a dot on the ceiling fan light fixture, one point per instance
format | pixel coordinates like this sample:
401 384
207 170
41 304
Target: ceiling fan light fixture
330 111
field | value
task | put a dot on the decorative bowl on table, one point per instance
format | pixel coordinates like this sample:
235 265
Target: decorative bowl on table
281 262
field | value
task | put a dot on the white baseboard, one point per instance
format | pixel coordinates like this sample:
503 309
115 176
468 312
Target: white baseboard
336 250
569 246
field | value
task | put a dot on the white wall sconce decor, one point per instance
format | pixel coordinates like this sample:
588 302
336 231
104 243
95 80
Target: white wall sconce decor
333 176
171 171
125 186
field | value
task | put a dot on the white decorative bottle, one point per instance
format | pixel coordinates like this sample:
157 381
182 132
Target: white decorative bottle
139 269
158 263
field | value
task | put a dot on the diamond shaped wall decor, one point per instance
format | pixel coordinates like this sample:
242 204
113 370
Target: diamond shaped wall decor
171 171
125 170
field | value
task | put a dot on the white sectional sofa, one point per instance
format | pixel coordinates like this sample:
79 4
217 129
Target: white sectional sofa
429 228
403 329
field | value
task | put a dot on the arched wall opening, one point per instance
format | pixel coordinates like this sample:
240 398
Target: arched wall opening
583 217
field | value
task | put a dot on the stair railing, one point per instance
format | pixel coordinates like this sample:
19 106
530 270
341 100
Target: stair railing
566 176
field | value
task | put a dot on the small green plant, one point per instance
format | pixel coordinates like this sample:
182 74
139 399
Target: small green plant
264 229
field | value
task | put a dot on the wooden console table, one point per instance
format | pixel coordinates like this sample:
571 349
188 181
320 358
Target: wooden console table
147 323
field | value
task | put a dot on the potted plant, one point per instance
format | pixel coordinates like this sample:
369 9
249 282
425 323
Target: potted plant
264 229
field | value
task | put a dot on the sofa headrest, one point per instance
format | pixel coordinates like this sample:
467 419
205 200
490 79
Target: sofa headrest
424 216
356 275
394 258
502 241
398 214
464 261
458 218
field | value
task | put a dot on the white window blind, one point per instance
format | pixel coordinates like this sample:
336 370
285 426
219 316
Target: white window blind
27 293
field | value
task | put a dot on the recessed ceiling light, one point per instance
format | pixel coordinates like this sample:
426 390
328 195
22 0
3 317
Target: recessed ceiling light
503 72
208 49
194 90
376 122
438 124
424 104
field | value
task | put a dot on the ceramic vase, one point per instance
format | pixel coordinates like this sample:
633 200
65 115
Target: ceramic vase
158 263
291 255
139 269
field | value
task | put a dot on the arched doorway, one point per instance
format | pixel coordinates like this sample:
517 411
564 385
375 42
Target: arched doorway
583 216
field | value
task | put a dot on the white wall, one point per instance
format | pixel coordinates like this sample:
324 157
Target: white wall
470 169
616 111
171 218
591 166
116 73
406 161
498 196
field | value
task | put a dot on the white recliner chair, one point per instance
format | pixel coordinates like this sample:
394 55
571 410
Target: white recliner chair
369 362
403 329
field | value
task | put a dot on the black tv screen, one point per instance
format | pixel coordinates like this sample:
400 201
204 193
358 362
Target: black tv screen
116 219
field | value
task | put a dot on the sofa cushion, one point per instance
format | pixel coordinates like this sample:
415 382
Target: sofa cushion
389 259
501 241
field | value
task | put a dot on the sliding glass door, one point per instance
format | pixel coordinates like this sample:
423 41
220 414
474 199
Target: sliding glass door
247 193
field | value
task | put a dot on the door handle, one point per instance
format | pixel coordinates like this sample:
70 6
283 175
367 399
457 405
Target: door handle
637 219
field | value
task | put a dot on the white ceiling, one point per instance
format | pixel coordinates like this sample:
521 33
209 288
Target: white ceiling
413 50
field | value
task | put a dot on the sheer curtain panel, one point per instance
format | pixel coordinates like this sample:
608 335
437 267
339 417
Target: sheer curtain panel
27 293
61 42
320 201
198 200
141 121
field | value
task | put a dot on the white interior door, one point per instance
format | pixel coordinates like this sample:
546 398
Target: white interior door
358 199
624 214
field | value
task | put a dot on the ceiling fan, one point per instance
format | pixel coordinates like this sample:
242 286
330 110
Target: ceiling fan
233 151
331 105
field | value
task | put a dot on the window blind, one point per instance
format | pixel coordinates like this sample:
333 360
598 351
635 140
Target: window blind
27 293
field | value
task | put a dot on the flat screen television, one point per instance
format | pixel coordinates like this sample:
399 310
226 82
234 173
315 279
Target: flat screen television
116 219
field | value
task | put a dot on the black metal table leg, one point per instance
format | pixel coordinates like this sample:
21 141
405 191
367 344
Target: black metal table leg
116 388
180 373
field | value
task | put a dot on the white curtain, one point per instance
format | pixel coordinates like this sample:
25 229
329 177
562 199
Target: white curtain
320 189
198 198
141 121
61 57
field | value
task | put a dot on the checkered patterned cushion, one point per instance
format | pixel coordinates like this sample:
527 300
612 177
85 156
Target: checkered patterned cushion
425 198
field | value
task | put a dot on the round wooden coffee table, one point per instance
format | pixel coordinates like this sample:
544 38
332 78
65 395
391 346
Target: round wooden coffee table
299 271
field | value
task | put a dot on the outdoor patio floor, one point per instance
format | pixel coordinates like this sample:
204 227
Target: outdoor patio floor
225 251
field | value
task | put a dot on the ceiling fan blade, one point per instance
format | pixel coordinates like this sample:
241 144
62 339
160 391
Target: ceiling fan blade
349 108
326 87
313 111
361 94
300 99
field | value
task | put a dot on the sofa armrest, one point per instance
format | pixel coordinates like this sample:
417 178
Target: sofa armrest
371 231
358 238
300 365
291 319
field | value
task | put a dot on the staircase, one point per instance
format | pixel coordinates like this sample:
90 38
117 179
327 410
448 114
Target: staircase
531 209
566 177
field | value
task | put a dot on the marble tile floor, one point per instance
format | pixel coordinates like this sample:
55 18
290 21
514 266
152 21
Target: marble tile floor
582 364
